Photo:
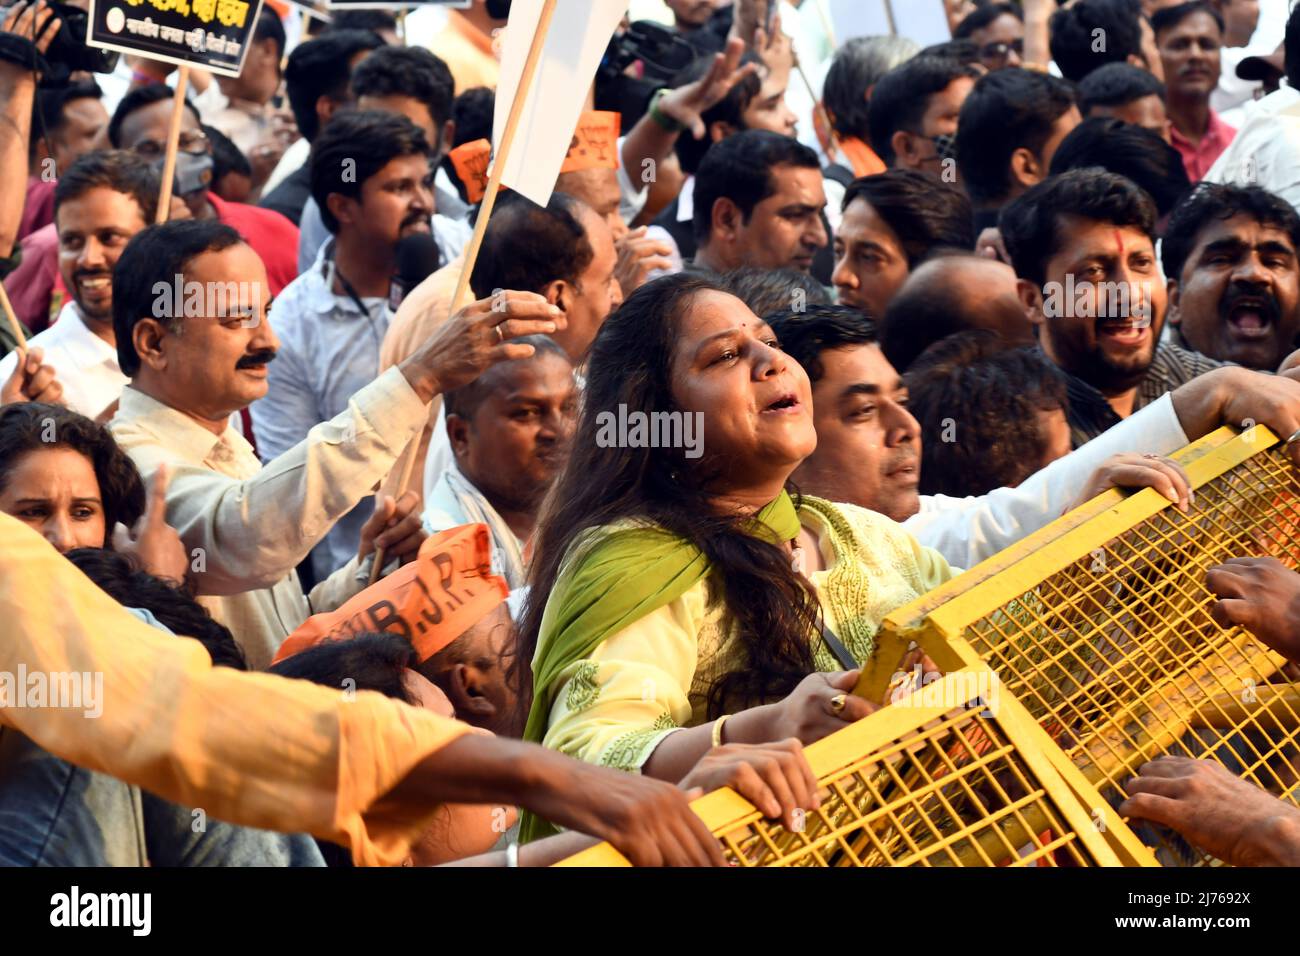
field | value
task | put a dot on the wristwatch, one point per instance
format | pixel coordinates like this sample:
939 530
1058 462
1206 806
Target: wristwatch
659 116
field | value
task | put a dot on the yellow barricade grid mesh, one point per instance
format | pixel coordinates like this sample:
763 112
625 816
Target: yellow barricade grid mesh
1119 660
919 785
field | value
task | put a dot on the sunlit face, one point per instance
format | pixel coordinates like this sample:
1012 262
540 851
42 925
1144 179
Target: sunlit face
870 264
589 302
517 439
755 401
55 492
1103 304
216 364
868 444
93 230
768 109
939 119
598 188
1189 51
785 230
397 201
1238 298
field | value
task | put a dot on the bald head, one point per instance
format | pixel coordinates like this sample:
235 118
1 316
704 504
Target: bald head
952 294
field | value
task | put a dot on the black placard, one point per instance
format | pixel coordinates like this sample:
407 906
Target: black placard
212 34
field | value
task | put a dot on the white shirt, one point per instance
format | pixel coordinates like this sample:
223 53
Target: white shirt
247 526
86 364
329 351
967 531
1266 150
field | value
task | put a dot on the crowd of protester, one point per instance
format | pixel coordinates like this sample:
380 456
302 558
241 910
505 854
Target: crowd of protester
896 308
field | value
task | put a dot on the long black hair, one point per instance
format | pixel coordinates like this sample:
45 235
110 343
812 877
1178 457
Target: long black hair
34 426
772 608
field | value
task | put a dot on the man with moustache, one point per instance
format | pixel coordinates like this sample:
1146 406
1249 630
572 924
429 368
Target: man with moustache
1083 247
247 526
1234 285
100 202
371 180
1189 37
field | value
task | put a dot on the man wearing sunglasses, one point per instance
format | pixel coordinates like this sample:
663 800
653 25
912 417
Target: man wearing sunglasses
140 124
998 32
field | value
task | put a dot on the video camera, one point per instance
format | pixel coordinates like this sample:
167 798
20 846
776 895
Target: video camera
662 53
67 53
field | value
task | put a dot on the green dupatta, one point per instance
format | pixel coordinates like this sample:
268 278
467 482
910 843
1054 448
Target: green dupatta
628 574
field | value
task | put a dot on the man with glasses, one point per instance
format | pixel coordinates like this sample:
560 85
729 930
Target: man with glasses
913 114
140 124
998 32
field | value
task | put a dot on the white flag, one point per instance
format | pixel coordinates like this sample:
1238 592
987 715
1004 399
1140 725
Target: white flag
576 41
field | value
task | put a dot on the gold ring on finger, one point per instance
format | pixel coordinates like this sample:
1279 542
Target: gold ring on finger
838 703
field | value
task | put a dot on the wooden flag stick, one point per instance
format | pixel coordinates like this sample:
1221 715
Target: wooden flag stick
407 460
818 108
14 325
825 17
173 138
889 15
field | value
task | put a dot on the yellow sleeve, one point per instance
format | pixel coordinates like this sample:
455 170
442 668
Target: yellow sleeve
613 708
253 749
932 566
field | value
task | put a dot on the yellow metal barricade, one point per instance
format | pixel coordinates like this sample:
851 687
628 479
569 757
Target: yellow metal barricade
929 781
1100 626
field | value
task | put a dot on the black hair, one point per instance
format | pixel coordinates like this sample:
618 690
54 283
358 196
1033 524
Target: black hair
463 402
1166 18
355 145
1074 30
902 96
805 335
375 661
226 156
922 313
121 579
1211 201
770 608
374 20
1131 151
156 255
740 168
319 67
34 426
766 291
139 98
924 212
48 105
856 68
270 28
1291 49
983 16
1116 84
1031 224
1007 110
407 71
963 51
730 109
527 246
473 112
982 398
117 169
